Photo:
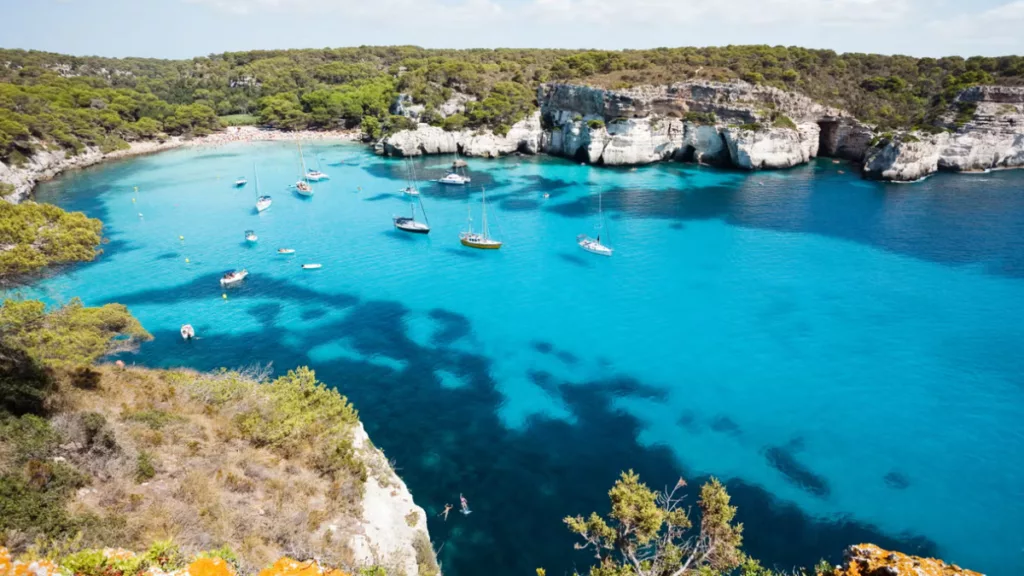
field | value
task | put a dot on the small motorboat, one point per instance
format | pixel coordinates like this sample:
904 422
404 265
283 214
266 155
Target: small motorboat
593 245
286 250
303 188
250 236
410 190
241 182
316 176
312 266
454 179
188 332
232 277
411 225
263 202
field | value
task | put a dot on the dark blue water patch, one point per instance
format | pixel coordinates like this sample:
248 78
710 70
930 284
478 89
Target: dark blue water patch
688 421
255 286
567 357
677 226
521 482
519 205
313 314
896 480
545 381
543 347
576 259
428 169
783 460
725 425
379 197
465 253
266 314
451 326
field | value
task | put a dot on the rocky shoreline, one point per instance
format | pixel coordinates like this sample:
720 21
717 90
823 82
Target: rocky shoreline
46 165
739 125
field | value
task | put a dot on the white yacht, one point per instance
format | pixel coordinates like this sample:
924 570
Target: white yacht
232 277
594 245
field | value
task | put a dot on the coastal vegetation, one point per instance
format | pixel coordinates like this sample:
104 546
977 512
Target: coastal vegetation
33 236
69 102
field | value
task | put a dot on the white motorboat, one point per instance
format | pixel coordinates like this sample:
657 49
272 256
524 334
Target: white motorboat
286 250
250 236
232 277
316 176
454 179
188 332
312 266
241 181
410 190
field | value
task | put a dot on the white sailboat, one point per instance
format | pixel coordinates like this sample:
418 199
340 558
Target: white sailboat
410 224
262 202
481 240
302 186
594 245
410 176
316 175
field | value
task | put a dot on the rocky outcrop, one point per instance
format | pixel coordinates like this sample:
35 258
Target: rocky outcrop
690 121
393 526
993 138
844 137
870 560
524 136
772 148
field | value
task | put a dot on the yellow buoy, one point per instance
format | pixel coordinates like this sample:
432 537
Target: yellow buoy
133 200
224 296
136 188
186 260
181 237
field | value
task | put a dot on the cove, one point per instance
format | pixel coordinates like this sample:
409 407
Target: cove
844 354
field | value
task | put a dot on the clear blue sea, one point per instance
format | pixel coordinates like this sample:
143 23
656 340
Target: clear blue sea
847 355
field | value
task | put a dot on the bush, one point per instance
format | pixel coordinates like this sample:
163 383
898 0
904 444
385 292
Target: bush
426 561
41 235
144 468
154 419
703 118
755 126
595 124
782 121
454 123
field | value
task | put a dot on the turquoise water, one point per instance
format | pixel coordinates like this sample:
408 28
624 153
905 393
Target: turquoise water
846 354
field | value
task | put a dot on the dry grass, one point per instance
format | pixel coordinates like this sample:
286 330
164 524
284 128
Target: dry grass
212 487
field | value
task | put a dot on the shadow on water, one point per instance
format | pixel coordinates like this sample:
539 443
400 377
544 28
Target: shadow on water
447 441
948 219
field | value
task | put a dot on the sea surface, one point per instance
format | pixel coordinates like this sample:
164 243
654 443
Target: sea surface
848 356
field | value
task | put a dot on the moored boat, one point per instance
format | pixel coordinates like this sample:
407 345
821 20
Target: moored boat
188 332
232 277
241 181
480 240
312 266
263 202
302 186
286 250
316 176
250 236
594 245
457 175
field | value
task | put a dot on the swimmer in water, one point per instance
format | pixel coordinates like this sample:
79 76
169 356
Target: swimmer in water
447 509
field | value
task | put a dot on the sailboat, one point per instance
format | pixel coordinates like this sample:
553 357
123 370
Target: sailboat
262 202
410 224
454 176
316 175
483 239
410 175
594 245
302 186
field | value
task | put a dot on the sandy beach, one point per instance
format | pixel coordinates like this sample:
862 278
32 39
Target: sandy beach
46 165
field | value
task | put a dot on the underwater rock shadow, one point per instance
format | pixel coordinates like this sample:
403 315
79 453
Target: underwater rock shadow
255 286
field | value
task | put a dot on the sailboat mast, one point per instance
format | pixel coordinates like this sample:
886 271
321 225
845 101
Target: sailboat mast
483 200
257 172
302 161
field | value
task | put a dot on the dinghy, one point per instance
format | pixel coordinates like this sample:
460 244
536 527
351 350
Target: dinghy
286 250
312 266
188 332
241 182
250 236
232 277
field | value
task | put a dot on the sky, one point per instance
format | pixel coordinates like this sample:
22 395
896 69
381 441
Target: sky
188 28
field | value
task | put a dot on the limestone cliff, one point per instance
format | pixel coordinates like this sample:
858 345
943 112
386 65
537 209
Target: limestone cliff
991 138
870 560
524 136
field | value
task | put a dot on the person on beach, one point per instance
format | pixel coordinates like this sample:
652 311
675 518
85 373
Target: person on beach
447 509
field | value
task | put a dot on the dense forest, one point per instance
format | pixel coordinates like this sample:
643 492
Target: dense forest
72 102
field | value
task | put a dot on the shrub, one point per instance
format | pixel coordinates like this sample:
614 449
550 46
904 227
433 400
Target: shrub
154 419
144 468
39 235
595 124
755 126
412 518
703 118
782 121
98 434
454 123
426 561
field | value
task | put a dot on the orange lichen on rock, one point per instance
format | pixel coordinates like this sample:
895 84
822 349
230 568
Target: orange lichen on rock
870 560
5 562
11 567
288 567
209 567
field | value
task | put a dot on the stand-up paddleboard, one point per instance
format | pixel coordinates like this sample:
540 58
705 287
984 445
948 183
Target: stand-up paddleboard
465 505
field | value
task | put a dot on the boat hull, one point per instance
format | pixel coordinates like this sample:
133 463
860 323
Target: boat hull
481 245
598 249
412 227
